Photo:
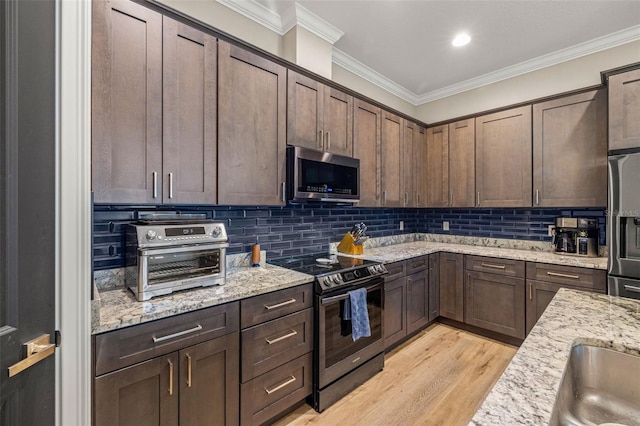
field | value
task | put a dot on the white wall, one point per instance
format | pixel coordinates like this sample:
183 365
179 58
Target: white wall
564 77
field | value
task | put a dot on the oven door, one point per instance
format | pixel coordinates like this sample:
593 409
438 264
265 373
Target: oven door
337 352
185 266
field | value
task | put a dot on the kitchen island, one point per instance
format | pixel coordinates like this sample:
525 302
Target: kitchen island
526 392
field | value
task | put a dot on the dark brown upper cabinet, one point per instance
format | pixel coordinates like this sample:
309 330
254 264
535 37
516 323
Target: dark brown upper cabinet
409 139
153 108
420 167
462 172
570 151
251 128
391 182
624 110
438 166
319 117
503 158
366 147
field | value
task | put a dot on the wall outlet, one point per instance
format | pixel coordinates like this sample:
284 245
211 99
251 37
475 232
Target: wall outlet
445 225
401 225
550 231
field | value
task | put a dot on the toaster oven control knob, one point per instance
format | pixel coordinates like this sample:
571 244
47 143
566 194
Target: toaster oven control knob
151 234
216 231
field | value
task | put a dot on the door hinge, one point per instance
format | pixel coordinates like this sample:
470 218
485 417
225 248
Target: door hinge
58 338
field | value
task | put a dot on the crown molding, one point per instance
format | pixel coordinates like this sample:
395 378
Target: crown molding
257 13
318 26
608 41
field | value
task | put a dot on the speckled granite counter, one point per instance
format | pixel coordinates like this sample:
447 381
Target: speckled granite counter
525 393
118 308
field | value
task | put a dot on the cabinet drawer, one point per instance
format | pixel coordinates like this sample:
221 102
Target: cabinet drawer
396 270
273 392
495 265
591 279
273 305
417 264
273 343
127 346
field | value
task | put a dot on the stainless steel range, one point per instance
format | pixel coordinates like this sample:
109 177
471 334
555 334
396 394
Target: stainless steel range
341 363
163 256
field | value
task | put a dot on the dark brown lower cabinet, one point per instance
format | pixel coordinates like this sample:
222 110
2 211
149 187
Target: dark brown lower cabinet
539 295
452 286
195 386
495 302
434 286
395 302
417 286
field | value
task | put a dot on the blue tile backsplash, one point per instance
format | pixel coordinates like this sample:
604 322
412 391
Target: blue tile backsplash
309 228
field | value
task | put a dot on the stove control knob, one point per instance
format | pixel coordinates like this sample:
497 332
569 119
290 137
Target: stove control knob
151 235
328 279
356 273
338 278
381 269
216 231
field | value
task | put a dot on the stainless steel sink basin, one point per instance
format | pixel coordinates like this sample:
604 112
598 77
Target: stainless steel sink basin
599 386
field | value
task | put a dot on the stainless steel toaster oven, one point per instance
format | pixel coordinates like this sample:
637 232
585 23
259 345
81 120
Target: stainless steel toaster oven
163 257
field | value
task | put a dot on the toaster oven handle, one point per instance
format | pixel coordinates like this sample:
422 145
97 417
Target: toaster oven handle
171 250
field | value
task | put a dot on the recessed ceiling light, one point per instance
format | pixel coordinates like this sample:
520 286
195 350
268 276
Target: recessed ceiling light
461 39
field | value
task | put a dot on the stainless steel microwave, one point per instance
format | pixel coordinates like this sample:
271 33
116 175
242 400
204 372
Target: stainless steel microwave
322 176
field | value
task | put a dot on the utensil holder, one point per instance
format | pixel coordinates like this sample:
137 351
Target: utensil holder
347 246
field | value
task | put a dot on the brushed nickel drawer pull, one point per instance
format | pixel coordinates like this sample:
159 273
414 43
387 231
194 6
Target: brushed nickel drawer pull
355 360
632 288
178 334
489 265
188 370
281 338
280 386
557 274
279 305
170 377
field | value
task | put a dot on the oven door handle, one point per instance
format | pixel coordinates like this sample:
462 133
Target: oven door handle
332 299
181 249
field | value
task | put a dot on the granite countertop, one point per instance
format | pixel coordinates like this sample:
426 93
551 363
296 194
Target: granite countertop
525 394
117 308
403 251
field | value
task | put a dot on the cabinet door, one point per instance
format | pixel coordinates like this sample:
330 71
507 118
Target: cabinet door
434 286
189 115
395 307
570 151
420 167
539 295
126 103
462 164
438 166
452 286
338 122
304 116
251 128
503 158
391 156
495 302
209 382
144 394
624 110
408 145
366 147
417 301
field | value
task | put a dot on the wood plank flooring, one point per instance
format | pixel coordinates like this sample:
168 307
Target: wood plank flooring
438 377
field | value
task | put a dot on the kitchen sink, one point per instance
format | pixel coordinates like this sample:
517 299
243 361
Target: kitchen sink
599 386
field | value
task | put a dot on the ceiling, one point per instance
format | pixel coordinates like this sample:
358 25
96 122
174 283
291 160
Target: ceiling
405 45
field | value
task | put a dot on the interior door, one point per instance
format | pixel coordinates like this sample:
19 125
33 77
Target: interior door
27 210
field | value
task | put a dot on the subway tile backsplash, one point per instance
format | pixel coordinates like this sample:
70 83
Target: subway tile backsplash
309 228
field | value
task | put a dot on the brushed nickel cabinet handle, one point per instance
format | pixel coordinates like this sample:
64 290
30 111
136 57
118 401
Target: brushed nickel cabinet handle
154 178
384 198
279 305
328 141
281 338
178 334
537 197
530 291
280 386
284 192
557 274
489 265
170 185
478 198
188 370
170 377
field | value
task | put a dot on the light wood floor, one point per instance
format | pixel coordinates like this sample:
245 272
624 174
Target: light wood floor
439 377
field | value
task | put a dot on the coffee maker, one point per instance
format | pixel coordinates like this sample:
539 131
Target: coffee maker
576 236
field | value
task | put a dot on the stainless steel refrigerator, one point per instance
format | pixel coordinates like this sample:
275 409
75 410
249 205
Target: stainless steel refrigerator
624 225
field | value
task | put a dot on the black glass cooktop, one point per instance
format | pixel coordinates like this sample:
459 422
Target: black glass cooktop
321 264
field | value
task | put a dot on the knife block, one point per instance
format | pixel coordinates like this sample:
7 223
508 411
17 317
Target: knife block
347 246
